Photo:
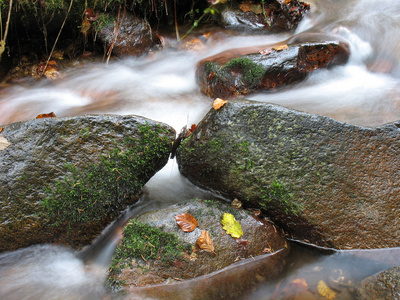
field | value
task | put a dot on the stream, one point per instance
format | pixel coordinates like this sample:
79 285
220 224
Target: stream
162 87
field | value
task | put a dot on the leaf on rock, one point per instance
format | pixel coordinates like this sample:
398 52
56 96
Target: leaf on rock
49 115
245 6
204 242
1 129
231 226
218 103
3 143
186 222
236 203
281 47
325 291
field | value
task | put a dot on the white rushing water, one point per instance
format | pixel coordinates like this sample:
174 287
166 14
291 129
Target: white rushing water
163 88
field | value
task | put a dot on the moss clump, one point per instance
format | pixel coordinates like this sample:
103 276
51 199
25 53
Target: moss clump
102 190
277 197
144 242
252 73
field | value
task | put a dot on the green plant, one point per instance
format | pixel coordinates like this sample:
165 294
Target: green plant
103 189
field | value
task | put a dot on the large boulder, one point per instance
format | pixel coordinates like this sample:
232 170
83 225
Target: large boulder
155 250
62 180
268 16
247 70
131 36
323 181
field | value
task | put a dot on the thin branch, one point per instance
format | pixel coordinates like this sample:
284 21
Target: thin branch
59 33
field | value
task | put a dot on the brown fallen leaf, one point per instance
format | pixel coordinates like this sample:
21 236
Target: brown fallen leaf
280 48
205 243
49 115
236 203
1 129
245 6
186 222
218 103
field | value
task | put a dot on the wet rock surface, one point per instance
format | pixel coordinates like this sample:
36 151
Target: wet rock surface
384 285
33 161
323 181
259 237
243 71
268 16
134 36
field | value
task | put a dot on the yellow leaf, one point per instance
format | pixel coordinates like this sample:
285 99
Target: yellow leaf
325 291
204 242
218 103
231 226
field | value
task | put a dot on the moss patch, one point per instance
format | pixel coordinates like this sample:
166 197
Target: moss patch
277 197
103 189
144 242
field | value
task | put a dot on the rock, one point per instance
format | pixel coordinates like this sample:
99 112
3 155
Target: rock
323 181
62 180
247 70
135 36
158 232
384 285
272 16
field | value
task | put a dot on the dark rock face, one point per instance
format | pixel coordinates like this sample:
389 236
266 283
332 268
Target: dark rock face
384 285
323 181
33 159
135 36
259 237
273 15
244 71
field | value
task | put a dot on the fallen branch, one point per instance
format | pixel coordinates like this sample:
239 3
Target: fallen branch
55 42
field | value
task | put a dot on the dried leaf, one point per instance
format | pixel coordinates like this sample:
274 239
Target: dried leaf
4 143
281 47
186 222
236 203
265 51
49 115
245 6
204 242
231 226
257 9
218 103
325 291
1 129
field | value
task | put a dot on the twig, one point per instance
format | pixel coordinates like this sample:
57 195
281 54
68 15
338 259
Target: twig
59 33
4 38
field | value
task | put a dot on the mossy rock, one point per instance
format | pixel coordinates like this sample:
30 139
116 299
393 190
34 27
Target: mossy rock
154 250
62 180
323 181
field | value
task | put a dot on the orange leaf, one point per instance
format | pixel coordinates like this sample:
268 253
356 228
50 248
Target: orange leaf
245 6
186 222
49 115
281 47
204 242
218 103
1 129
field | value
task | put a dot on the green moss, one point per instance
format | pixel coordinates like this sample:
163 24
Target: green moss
252 72
277 197
144 242
103 189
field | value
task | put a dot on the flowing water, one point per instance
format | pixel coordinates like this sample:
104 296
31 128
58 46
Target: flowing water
162 87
